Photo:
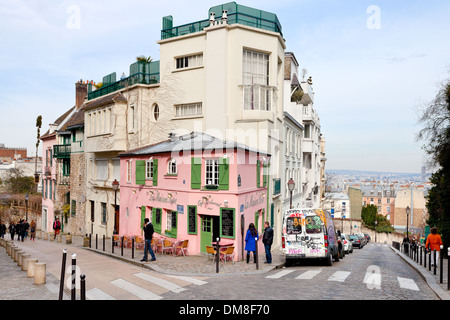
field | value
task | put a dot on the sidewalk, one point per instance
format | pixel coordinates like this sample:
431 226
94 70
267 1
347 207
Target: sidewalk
177 265
433 280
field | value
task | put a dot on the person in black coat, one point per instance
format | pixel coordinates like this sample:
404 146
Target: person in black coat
12 230
19 229
268 240
148 234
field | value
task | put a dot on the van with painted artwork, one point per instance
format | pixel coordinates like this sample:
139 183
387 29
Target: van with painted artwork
309 234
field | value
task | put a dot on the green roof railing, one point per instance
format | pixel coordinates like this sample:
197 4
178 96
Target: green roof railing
235 13
140 77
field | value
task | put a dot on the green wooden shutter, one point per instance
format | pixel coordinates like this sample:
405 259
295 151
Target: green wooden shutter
140 172
224 174
265 174
258 174
196 173
155 172
142 216
173 232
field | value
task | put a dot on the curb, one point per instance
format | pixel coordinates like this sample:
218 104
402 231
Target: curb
431 281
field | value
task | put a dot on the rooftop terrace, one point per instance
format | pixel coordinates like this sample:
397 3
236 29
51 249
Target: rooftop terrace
236 13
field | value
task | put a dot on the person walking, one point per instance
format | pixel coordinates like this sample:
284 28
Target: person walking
19 229
24 230
32 230
251 242
56 227
2 230
12 229
148 234
434 242
267 239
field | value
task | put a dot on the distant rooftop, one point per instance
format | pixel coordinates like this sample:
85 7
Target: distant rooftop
235 13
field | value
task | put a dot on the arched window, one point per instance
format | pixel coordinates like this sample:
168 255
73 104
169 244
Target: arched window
172 166
156 112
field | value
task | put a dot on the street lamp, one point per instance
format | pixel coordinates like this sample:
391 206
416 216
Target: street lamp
115 186
27 197
408 211
291 186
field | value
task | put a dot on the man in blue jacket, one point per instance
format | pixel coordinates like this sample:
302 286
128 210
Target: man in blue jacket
148 234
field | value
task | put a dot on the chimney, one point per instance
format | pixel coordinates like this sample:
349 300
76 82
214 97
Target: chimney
80 93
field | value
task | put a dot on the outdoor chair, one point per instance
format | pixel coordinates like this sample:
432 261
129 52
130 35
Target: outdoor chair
182 246
139 243
227 253
210 252
167 246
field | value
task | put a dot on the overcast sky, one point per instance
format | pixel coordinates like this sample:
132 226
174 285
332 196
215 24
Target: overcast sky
372 64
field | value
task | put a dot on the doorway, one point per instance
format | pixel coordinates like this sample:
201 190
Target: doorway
210 231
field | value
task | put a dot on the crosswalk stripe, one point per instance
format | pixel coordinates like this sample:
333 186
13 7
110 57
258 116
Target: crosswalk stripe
97 294
407 284
280 274
189 279
309 274
142 293
160 282
339 276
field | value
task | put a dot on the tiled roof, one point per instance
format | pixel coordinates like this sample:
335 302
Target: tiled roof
191 142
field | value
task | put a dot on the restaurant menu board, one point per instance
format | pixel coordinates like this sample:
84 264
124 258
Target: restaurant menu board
227 222
192 218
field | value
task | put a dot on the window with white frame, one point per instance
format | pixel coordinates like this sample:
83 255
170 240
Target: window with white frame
195 60
102 169
255 78
172 166
212 172
188 110
129 171
149 170
99 121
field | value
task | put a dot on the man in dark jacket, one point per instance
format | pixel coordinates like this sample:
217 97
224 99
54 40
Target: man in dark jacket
148 234
268 240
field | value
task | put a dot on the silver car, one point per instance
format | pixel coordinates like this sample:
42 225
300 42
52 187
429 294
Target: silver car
348 245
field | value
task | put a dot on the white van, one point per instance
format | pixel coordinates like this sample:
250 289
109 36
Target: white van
309 234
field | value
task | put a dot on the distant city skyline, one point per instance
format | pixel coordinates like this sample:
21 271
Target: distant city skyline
372 64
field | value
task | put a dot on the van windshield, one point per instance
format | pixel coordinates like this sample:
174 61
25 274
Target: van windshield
294 225
313 224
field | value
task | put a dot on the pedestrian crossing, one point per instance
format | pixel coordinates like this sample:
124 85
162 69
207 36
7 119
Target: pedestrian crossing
372 277
157 285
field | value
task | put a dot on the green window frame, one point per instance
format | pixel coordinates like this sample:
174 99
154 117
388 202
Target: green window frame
156 219
224 174
234 223
191 210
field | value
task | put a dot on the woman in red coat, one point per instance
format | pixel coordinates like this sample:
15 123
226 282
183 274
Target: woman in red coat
434 242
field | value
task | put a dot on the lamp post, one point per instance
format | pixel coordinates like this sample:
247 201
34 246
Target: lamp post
115 186
291 186
376 223
27 197
408 210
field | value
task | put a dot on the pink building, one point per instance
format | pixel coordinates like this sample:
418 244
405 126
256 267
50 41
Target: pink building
194 187
48 181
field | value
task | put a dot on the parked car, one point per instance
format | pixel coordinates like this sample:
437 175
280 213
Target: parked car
348 244
356 241
367 237
363 238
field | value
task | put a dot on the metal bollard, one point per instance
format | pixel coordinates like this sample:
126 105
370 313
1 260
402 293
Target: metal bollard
256 253
90 240
74 264
441 269
121 249
429 260
448 268
434 259
82 287
217 255
96 241
132 247
424 257
104 242
63 272
420 249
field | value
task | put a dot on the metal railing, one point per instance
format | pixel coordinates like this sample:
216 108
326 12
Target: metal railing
137 78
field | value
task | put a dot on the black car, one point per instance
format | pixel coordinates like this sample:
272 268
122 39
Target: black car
356 240
367 237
